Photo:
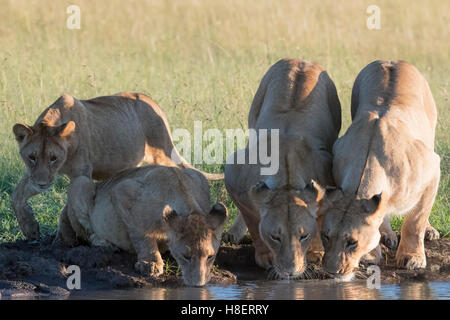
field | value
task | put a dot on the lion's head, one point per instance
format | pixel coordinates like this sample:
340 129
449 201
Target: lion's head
44 150
350 230
288 224
194 240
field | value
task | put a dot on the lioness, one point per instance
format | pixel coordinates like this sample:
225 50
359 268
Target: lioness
385 165
298 98
94 138
140 207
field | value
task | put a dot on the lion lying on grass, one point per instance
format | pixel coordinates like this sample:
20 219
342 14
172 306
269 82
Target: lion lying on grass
140 207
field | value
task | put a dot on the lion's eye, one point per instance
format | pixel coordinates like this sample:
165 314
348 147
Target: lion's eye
187 257
275 238
53 159
303 237
211 257
32 158
324 238
351 244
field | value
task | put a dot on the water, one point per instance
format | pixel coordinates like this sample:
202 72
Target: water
282 290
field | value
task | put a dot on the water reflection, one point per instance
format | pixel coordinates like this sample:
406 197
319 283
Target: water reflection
282 290
417 290
308 290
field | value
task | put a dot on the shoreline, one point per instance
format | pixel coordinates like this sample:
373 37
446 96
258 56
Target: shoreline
30 270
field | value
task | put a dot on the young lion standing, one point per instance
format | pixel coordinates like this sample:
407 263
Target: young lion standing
94 138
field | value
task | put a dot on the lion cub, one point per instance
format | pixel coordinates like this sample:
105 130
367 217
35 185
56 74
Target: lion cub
139 207
385 165
95 139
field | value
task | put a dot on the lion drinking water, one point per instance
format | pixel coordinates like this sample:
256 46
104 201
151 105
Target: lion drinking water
138 208
385 165
299 99
95 139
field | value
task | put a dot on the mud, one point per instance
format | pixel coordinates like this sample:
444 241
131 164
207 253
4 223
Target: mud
39 269
438 264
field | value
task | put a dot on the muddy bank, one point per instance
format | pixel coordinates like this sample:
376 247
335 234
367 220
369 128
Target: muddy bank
438 264
40 269
30 269
239 259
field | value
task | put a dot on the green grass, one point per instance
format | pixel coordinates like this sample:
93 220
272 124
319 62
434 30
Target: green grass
201 60
171 268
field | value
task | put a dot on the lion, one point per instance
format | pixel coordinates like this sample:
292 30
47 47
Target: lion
300 100
94 138
384 165
139 209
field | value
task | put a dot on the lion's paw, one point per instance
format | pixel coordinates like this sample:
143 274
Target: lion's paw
373 257
229 237
99 242
147 268
390 240
431 234
31 230
236 232
411 261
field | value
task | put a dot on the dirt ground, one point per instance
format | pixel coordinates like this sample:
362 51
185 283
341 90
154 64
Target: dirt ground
31 269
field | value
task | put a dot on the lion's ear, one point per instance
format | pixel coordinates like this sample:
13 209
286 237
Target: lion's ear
21 131
317 190
65 130
315 196
172 219
373 204
331 195
217 216
259 192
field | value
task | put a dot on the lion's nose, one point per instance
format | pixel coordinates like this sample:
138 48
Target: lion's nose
343 270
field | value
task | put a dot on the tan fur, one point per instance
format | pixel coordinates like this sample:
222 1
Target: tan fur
94 138
299 99
385 165
237 231
138 208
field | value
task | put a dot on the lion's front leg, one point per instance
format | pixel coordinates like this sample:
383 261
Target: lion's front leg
388 236
237 231
149 260
411 251
24 213
263 255
135 214
66 233
80 201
